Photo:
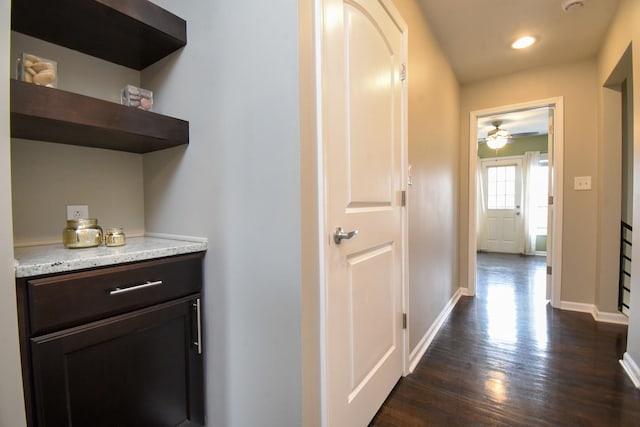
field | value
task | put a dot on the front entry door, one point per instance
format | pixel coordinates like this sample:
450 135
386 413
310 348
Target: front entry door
363 126
503 199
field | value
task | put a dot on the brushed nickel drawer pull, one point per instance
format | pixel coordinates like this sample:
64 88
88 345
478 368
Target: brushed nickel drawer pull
135 288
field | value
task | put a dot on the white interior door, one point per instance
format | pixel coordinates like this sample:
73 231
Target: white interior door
363 107
503 201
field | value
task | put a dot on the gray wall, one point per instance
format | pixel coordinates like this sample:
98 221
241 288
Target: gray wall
238 184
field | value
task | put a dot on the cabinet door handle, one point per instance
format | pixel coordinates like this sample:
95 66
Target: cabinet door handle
198 343
147 284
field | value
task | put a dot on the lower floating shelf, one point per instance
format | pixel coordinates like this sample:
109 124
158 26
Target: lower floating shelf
54 115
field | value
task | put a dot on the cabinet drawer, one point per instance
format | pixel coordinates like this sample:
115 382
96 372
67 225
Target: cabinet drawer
71 299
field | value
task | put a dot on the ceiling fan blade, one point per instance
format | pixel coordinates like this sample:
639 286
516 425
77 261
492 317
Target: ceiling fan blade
524 134
484 140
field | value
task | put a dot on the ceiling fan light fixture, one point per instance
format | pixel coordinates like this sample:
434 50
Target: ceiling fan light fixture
523 42
496 142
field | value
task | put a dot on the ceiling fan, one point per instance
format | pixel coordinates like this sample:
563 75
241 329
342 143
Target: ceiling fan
499 137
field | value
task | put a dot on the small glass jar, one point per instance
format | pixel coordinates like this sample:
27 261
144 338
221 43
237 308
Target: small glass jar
82 233
37 70
114 237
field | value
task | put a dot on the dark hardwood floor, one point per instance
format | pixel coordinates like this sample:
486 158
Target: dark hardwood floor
506 358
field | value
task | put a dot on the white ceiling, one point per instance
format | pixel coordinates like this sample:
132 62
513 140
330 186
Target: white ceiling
476 35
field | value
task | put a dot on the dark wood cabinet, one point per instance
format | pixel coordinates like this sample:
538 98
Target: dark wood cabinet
127 350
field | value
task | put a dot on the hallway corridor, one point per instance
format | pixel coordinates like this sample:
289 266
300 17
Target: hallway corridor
506 358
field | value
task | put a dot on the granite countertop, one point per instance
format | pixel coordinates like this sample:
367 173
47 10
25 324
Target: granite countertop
48 259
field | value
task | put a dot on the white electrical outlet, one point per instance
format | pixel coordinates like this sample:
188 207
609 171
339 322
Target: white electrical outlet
77 211
582 183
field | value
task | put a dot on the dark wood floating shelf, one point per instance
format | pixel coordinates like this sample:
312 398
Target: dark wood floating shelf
54 115
133 33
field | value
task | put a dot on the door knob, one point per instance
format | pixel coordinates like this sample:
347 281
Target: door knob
340 234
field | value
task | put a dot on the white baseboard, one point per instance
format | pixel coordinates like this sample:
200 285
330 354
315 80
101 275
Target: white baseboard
576 306
608 317
425 342
598 316
631 368
465 292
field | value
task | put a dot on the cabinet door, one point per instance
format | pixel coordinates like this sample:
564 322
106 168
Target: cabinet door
139 369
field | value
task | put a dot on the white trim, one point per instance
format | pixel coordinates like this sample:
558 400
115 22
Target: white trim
558 156
465 291
576 306
431 333
609 317
598 316
558 169
506 159
631 368
319 35
404 173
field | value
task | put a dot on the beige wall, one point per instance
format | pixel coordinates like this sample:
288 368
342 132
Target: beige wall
623 31
46 177
577 84
433 156
11 400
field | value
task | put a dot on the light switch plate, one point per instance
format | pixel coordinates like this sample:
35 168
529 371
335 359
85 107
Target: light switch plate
581 183
77 211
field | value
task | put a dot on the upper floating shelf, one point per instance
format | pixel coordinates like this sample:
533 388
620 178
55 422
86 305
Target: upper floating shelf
133 33
48 114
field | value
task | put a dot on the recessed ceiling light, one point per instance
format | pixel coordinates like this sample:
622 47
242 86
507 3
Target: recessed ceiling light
523 42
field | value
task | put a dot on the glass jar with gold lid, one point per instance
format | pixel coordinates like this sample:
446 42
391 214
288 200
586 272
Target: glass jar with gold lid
114 237
82 233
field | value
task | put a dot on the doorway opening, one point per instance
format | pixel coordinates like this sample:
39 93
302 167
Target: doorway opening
616 164
515 192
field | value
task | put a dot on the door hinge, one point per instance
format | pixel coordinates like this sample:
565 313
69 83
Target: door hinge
404 320
550 202
403 72
403 198
549 270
